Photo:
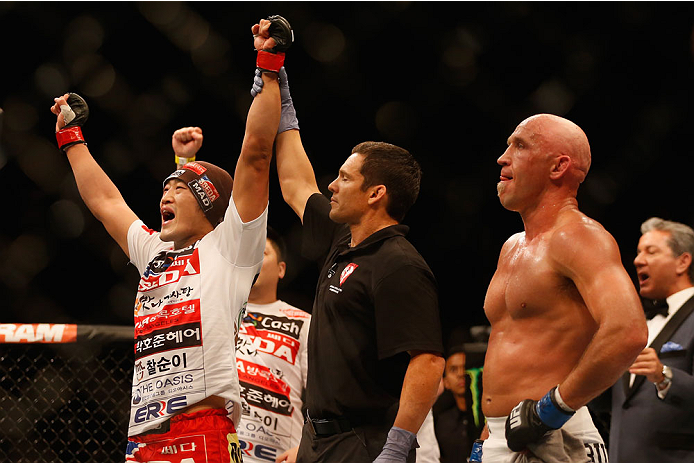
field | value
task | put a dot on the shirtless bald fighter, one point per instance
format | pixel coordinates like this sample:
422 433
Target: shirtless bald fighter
563 310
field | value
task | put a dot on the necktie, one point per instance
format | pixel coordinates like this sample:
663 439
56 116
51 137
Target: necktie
653 308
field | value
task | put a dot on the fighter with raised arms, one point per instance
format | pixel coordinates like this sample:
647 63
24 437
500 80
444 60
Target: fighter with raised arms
196 273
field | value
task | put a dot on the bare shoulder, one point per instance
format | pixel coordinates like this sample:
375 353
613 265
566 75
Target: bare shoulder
510 247
511 242
582 243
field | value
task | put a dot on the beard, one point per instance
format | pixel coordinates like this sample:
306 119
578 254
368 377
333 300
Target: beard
500 188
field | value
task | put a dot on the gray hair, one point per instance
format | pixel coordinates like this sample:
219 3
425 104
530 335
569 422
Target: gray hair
681 237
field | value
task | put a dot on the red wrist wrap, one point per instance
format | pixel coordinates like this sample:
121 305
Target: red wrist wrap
269 61
69 136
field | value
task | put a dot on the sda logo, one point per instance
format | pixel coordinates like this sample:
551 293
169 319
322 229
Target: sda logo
160 408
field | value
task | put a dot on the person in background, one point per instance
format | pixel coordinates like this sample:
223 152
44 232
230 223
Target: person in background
652 405
456 423
272 362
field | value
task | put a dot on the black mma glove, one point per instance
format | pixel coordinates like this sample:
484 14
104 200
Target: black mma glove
75 114
271 60
530 420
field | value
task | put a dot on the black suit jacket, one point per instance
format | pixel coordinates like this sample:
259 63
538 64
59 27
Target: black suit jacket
645 428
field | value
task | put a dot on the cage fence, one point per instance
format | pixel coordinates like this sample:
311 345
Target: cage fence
64 400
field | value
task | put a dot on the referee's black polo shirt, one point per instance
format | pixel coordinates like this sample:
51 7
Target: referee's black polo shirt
373 303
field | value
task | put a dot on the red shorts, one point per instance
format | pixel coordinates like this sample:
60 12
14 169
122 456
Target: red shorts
207 436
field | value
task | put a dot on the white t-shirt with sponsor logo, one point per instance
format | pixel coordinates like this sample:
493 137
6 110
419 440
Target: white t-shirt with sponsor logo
272 362
185 324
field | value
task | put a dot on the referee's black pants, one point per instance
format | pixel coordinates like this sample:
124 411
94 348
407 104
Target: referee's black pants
361 444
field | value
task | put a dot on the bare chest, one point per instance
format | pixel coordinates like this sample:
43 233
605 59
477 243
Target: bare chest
525 284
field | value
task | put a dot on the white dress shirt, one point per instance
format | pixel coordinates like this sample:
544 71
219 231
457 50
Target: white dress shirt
657 323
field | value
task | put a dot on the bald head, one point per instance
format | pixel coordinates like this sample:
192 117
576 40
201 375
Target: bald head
559 136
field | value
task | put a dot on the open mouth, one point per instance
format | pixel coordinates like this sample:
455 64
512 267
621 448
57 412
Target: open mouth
167 216
643 277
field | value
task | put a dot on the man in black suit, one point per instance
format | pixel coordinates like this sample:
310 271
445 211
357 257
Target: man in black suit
652 406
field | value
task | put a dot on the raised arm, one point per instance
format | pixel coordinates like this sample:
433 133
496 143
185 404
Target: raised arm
295 172
96 189
589 256
251 180
186 142
296 176
297 180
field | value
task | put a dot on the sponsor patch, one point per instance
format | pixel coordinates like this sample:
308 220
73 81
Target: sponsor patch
295 313
334 289
172 259
195 167
171 315
159 408
165 364
347 272
258 451
266 399
151 303
165 385
177 174
187 335
282 325
187 449
200 194
37 332
261 376
168 267
251 341
209 188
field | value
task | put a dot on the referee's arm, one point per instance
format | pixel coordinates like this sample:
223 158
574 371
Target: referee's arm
419 389
295 172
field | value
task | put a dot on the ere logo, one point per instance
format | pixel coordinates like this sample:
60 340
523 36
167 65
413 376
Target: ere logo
159 408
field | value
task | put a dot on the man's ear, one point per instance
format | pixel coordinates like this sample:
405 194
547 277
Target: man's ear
560 166
684 261
282 269
376 193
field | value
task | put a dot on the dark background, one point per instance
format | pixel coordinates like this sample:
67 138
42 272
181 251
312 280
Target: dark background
448 81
